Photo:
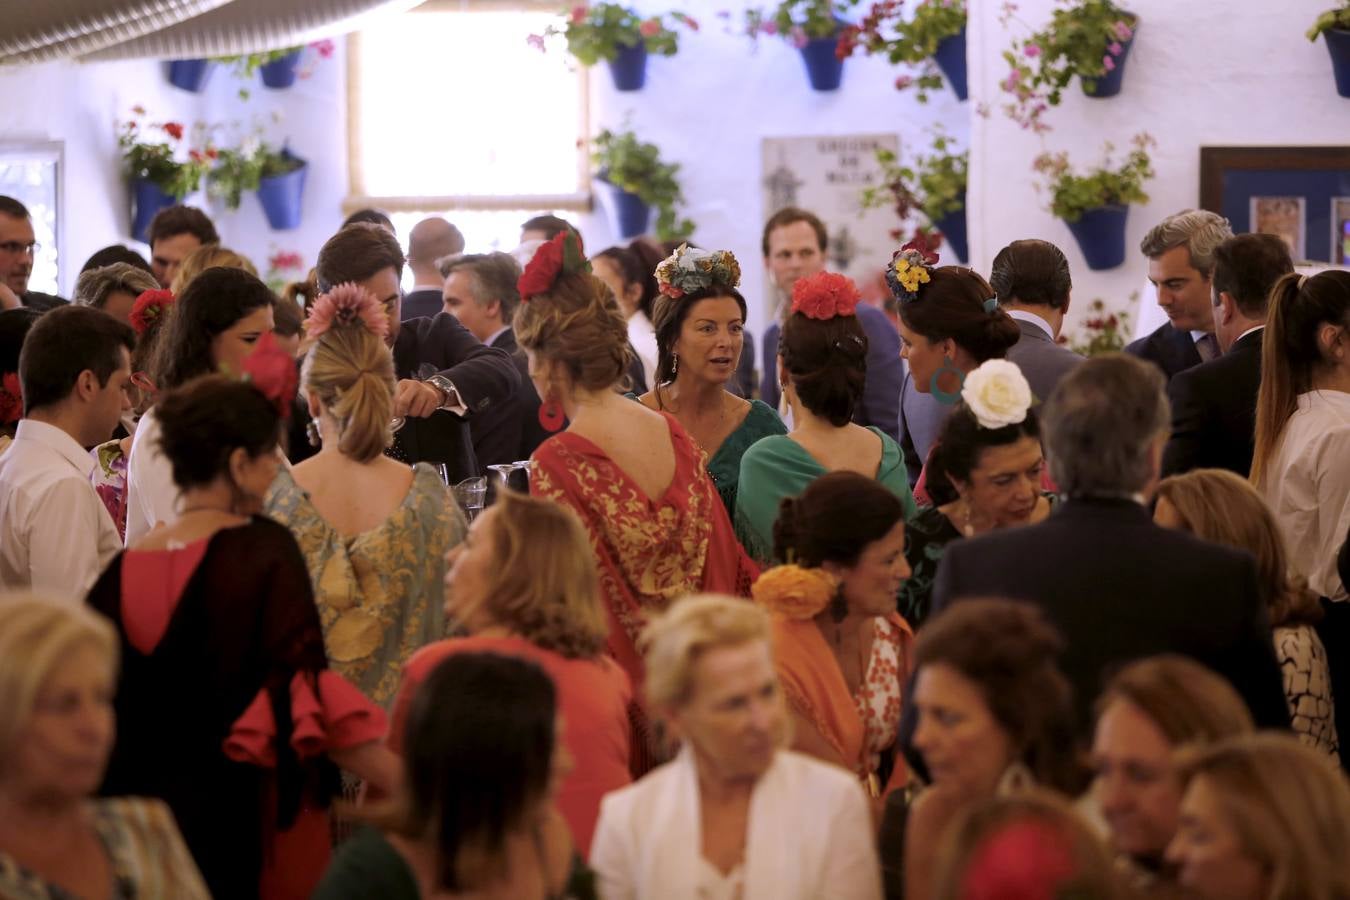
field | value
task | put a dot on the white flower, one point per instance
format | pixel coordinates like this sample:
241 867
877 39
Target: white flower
997 393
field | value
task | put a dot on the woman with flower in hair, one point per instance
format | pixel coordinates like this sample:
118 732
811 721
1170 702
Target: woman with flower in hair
841 651
822 367
227 710
634 476
109 475
374 531
700 333
985 472
14 325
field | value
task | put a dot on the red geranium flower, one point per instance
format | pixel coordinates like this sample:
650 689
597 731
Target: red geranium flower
650 28
272 371
148 308
825 295
173 130
548 263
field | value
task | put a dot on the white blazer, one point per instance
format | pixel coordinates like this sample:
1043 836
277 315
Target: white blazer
810 835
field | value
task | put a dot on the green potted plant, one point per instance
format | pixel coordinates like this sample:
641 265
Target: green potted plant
279 67
160 167
1087 38
637 181
813 27
1102 332
619 36
275 174
933 38
933 184
1096 203
1334 25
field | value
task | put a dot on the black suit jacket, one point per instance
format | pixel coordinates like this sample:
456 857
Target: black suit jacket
1171 350
40 301
423 304
483 376
1214 411
1119 587
510 431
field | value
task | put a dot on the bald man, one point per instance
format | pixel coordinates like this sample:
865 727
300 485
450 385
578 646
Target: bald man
430 240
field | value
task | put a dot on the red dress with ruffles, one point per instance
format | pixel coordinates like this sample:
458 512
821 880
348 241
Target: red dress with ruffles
226 707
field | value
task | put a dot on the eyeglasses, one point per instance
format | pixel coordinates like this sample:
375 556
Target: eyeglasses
31 247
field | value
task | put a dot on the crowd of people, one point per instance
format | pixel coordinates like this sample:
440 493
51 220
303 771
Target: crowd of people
928 606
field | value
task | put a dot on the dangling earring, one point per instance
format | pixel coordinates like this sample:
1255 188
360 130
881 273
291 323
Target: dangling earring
944 397
674 366
312 432
551 416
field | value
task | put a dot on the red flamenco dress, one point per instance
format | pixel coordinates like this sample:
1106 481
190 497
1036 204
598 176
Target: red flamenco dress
225 705
650 551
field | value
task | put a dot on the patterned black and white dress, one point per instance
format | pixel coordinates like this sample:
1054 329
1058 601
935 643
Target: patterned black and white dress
1307 686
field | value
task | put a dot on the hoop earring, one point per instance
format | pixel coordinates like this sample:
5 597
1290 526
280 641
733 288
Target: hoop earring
551 417
946 398
312 432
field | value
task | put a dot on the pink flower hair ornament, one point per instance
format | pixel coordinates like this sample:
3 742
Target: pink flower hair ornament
347 304
825 295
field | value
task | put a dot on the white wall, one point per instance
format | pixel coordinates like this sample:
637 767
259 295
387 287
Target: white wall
1201 72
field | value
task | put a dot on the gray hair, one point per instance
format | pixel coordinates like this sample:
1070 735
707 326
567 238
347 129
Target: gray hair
95 285
1100 423
1200 230
494 278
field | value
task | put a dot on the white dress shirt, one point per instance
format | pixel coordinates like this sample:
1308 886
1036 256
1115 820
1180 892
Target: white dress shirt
642 336
56 536
152 497
1022 315
1307 485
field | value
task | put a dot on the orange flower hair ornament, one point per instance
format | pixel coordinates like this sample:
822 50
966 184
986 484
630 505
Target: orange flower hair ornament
563 255
794 592
347 304
825 295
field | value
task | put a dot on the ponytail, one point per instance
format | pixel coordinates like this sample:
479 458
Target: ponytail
352 371
1290 354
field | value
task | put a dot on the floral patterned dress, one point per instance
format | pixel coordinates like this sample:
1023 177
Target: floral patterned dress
109 478
379 593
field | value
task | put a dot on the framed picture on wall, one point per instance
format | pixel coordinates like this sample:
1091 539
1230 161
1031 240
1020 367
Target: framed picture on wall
31 173
1301 194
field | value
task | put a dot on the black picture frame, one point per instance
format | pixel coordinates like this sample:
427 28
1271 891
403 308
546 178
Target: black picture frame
1283 185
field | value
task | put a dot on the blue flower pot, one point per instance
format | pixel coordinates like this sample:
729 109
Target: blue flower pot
1100 234
146 200
1109 84
824 69
281 73
953 228
1338 45
629 68
282 197
190 74
628 215
950 57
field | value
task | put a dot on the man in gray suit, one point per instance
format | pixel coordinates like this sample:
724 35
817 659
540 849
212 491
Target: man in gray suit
1031 280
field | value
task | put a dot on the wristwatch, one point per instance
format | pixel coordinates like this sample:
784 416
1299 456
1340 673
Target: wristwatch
450 397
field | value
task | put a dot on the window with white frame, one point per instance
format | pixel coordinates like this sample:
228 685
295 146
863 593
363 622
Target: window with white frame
453 113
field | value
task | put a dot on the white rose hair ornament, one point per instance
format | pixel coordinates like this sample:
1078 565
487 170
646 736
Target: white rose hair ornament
689 270
997 394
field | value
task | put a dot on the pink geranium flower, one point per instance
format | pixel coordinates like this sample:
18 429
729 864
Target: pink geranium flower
650 28
1114 49
578 14
1031 50
1109 63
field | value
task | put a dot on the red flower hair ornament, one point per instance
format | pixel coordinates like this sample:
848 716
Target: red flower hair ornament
11 399
825 295
272 370
149 308
563 255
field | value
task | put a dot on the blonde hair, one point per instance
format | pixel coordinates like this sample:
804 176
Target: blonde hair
36 635
578 324
546 588
1290 806
96 285
678 638
1218 506
1188 702
352 371
1058 832
208 256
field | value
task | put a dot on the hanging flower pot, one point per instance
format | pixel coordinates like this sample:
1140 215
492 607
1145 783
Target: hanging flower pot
628 215
953 228
1100 234
147 198
280 73
1338 45
190 74
629 68
1113 58
951 59
282 195
824 68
